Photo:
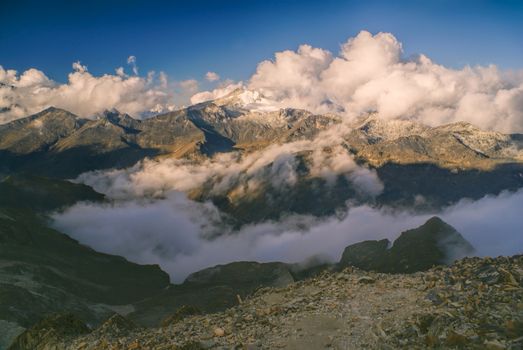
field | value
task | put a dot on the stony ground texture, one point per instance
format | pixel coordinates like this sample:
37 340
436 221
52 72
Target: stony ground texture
475 303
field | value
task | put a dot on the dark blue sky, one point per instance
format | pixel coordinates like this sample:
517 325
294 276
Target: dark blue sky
188 38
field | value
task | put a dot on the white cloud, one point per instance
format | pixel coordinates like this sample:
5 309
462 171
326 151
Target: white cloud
370 74
78 67
172 231
131 60
163 80
212 76
120 72
236 171
189 85
83 94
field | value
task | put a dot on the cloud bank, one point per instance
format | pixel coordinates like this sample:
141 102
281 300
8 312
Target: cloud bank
371 74
174 231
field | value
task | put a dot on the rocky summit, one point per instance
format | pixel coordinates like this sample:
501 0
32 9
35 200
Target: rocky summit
475 303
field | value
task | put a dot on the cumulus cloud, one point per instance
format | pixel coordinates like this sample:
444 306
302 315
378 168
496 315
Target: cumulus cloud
120 72
212 76
83 94
174 232
371 74
78 67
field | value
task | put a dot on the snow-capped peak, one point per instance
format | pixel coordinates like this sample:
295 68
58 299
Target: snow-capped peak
247 100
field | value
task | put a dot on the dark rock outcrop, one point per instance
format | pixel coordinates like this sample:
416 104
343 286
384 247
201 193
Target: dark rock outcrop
367 255
433 243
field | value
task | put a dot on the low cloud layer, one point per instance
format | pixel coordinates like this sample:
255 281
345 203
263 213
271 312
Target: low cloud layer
174 231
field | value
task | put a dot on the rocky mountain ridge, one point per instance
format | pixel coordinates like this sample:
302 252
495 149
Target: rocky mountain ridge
455 146
224 125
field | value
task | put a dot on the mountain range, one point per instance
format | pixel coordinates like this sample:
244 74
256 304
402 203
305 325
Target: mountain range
112 139
420 167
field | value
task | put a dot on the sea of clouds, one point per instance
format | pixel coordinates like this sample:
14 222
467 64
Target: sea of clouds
178 234
150 219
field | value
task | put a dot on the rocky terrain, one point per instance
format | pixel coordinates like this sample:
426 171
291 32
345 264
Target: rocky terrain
434 242
476 303
216 288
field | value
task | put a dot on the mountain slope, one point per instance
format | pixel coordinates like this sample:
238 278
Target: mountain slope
457 146
44 271
43 195
37 132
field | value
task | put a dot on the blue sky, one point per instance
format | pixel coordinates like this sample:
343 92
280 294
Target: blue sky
188 38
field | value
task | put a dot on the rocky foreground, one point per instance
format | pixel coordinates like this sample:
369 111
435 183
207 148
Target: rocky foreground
475 303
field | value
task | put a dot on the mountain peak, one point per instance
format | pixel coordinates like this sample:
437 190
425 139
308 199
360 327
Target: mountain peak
378 128
52 109
247 100
435 221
